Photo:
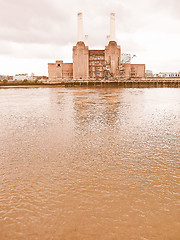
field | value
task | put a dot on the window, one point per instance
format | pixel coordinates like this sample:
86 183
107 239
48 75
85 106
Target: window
58 65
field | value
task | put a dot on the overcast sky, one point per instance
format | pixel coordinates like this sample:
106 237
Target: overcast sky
35 32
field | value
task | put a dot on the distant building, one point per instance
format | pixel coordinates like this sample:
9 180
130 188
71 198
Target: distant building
2 77
125 58
10 78
96 64
149 73
6 77
169 74
41 78
21 77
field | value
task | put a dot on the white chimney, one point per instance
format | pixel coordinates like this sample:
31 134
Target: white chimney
86 40
112 27
80 28
107 39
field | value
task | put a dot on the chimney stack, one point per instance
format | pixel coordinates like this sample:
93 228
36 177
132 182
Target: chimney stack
80 28
86 40
107 39
112 27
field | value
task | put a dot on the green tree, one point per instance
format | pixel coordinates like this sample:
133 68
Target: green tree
5 81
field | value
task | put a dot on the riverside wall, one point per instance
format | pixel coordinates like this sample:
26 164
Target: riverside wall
131 83
135 83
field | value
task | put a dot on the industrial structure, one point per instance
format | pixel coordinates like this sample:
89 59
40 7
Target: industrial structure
95 64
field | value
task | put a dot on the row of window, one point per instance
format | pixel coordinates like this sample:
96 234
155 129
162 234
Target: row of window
96 64
96 69
96 58
97 75
97 72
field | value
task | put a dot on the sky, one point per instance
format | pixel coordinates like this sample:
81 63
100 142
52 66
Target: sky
36 32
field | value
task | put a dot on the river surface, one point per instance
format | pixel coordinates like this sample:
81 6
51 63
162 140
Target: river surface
89 164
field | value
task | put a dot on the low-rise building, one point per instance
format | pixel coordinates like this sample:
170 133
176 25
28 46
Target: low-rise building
149 73
169 74
22 77
2 77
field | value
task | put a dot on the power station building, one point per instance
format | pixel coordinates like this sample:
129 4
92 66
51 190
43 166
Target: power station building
95 64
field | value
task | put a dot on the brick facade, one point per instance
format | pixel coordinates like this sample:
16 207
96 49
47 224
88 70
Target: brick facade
113 58
95 65
59 71
80 61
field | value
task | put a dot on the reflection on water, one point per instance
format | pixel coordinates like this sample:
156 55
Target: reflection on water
89 163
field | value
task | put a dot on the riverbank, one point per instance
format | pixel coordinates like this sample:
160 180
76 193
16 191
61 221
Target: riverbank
145 83
128 83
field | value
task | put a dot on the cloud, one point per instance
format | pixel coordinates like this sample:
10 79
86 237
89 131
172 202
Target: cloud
52 21
34 21
46 29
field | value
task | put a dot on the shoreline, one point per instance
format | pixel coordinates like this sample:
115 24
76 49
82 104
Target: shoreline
145 83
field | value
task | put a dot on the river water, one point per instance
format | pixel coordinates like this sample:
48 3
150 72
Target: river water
89 163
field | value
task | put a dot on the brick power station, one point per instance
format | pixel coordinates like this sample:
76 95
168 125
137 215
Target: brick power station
95 64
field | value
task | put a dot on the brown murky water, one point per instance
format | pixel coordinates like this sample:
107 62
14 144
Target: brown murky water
89 164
